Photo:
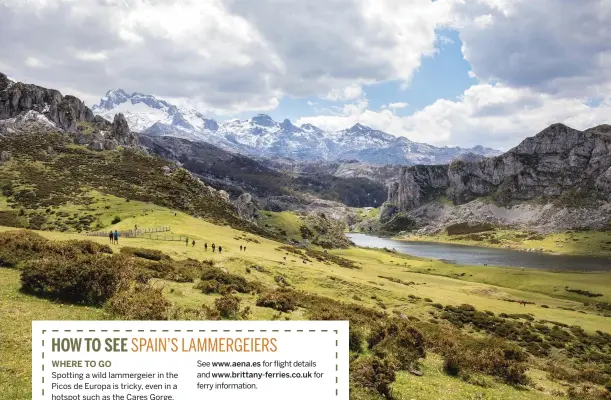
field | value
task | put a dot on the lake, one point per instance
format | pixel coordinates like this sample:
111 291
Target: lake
460 254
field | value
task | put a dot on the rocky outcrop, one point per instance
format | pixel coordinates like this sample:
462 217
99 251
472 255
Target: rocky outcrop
121 133
245 206
64 111
4 156
387 211
560 165
547 166
67 113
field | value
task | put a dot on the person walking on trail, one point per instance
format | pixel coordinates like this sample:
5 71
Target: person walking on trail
116 237
220 249
213 247
110 236
206 246
193 243
240 247
187 240
244 249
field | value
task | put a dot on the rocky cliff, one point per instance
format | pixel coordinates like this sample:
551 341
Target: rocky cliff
67 113
560 166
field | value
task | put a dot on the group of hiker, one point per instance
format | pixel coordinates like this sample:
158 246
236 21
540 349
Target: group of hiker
114 237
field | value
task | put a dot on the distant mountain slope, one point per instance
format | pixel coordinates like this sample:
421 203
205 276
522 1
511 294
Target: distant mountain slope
558 179
237 174
262 136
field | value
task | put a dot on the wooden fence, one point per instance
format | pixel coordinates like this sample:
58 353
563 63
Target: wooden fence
147 233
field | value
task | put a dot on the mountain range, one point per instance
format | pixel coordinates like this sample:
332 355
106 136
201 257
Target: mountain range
261 136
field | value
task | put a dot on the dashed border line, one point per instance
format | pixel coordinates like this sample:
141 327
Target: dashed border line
192 331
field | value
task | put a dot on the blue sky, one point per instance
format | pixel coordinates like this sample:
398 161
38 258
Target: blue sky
444 75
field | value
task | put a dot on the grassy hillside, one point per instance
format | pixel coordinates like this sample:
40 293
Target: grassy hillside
461 326
430 293
49 180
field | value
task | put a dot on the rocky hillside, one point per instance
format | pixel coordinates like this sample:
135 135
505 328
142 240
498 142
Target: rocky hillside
274 189
558 179
54 152
262 136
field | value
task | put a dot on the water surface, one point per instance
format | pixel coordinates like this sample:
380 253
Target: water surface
460 254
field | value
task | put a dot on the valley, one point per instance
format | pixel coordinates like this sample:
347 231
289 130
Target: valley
420 327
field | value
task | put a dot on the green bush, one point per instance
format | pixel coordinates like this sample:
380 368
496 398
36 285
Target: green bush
279 300
141 302
116 220
395 339
228 307
373 373
215 280
91 279
18 246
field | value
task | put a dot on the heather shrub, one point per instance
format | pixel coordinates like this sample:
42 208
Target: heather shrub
140 302
91 279
279 300
372 373
228 307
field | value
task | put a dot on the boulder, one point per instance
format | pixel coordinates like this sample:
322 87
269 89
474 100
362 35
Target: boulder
224 195
245 206
96 145
4 156
110 144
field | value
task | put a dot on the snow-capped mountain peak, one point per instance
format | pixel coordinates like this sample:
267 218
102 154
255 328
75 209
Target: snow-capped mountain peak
262 136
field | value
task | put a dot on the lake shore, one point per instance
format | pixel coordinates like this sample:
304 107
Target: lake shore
596 244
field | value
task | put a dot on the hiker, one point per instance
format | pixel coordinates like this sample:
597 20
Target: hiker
194 243
240 247
220 249
206 246
187 241
244 249
116 237
213 247
524 303
110 237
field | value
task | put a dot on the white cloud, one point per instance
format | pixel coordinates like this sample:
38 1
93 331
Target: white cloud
497 116
348 93
400 104
33 62
560 47
226 54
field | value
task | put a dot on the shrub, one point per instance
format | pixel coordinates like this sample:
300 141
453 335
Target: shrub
279 300
356 339
16 246
395 339
373 373
89 279
587 392
228 307
142 302
215 280
115 220
489 356
19 246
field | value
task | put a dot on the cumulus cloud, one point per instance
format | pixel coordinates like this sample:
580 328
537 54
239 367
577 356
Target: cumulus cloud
559 47
497 116
231 55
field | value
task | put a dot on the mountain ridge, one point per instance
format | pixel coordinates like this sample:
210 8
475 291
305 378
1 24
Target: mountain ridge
262 136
